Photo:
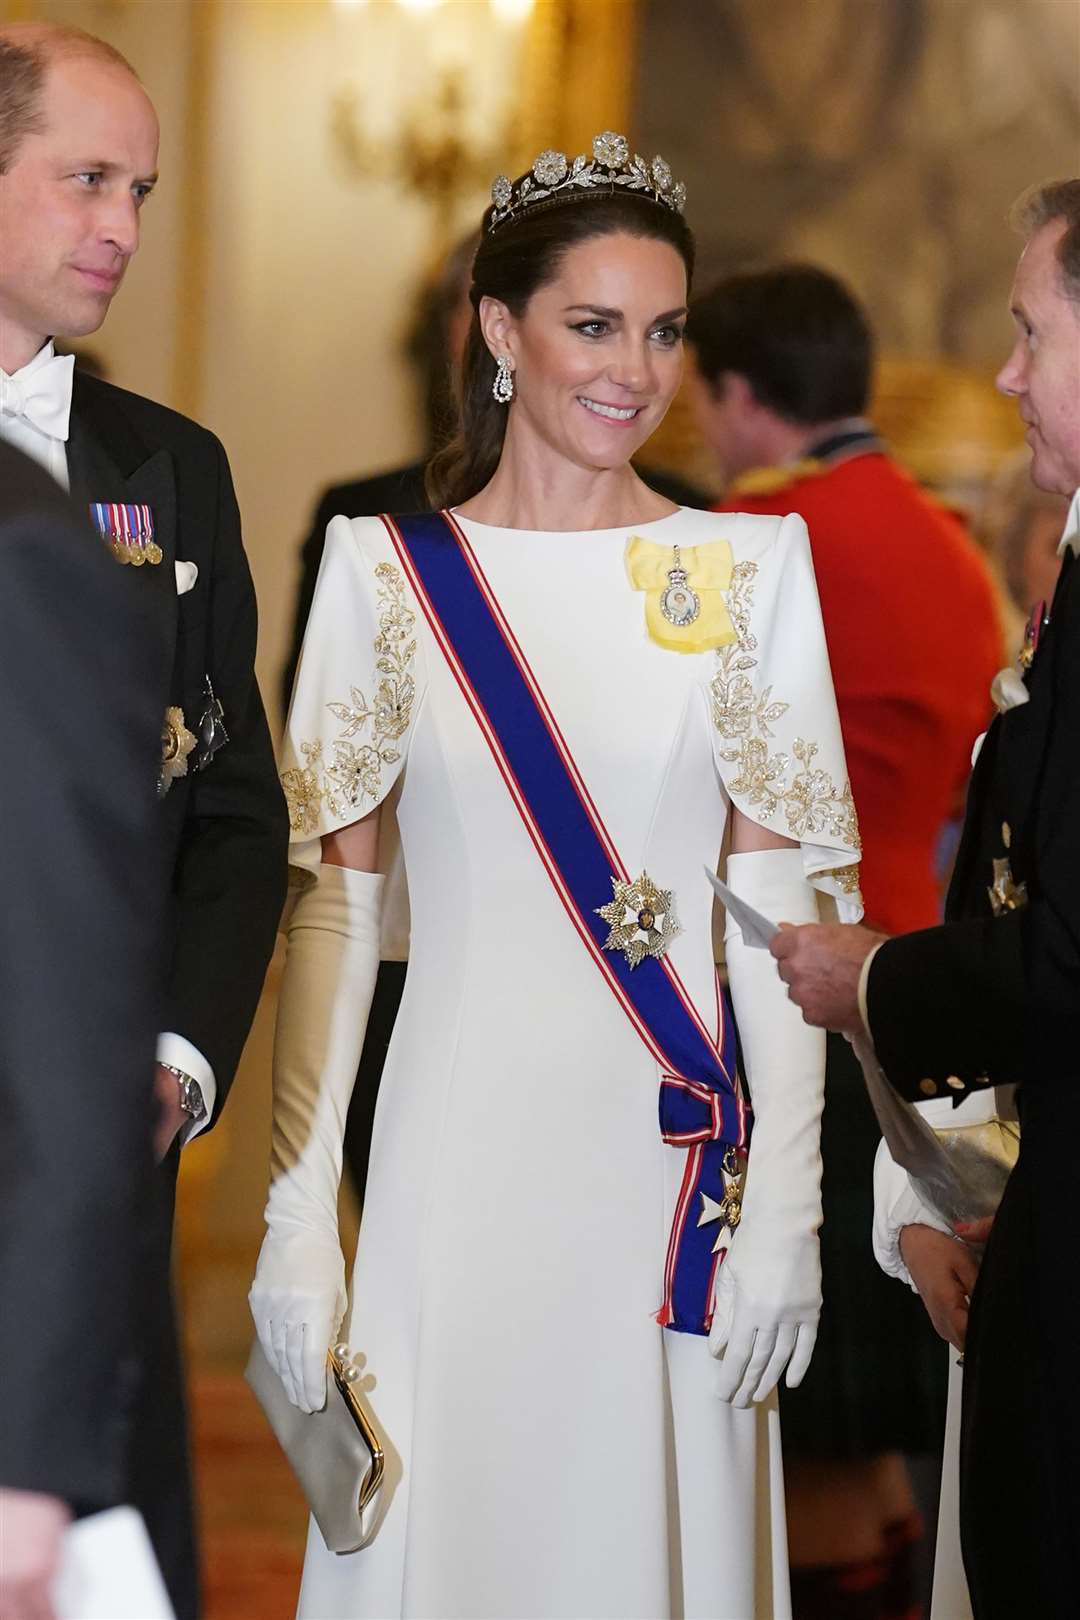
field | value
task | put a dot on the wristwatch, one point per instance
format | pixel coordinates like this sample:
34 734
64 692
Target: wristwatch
191 1097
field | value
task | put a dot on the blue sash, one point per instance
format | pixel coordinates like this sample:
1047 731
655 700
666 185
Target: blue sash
701 1108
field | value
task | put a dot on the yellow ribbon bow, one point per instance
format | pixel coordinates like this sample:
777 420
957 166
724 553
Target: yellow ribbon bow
708 575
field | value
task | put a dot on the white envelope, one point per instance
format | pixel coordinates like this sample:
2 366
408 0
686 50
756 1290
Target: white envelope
758 931
108 1571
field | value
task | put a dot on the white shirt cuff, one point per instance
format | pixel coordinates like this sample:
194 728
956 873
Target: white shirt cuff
179 1053
864 979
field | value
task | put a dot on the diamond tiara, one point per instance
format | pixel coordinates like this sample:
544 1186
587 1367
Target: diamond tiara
554 176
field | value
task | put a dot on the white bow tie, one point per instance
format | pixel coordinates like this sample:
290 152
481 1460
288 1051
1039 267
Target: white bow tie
1071 537
42 398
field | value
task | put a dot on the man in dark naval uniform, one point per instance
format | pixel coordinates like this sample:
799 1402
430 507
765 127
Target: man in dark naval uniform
992 997
78 157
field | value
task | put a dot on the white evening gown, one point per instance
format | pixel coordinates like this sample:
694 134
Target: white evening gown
554 1452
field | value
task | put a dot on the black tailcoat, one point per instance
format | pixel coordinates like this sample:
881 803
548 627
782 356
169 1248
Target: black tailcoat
988 999
79 928
222 831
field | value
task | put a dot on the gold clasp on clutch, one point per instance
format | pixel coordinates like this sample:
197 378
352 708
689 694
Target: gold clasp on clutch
345 1376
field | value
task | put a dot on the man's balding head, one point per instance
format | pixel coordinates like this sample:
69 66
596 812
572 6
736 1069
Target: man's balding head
27 51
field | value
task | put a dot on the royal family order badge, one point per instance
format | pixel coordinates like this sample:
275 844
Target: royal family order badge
679 604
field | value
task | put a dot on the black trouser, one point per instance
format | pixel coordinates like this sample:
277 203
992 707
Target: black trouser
1020 1440
160 1458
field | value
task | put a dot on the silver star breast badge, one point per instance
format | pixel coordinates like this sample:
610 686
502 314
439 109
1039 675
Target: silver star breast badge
176 744
641 918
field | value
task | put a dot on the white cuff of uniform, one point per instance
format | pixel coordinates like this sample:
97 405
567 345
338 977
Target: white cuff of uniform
864 980
896 1205
179 1053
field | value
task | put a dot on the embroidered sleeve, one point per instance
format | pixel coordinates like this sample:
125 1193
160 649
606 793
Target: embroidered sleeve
776 730
356 688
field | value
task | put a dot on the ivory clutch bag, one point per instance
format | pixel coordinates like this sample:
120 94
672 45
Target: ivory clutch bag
335 1454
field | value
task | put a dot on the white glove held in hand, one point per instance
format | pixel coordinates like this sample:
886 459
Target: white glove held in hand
768 1289
298 1297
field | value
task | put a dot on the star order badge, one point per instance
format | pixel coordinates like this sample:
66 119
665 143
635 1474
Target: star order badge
641 919
1005 893
727 1212
177 743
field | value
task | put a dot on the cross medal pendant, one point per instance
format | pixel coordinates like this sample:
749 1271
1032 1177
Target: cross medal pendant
679 604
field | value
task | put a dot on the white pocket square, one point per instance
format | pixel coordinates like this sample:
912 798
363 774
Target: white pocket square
1008 689
186 575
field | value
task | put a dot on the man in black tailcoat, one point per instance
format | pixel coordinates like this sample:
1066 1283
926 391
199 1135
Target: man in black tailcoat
78 157
993 997
79 939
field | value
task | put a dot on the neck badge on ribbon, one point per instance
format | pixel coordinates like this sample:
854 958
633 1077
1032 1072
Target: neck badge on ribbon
701 1106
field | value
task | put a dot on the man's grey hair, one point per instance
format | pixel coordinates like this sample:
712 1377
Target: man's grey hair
1043 205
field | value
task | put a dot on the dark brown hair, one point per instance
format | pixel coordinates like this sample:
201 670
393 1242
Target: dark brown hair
796 333
26 53
511 264
1042 205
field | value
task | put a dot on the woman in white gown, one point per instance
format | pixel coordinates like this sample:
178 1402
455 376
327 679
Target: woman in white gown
556 1451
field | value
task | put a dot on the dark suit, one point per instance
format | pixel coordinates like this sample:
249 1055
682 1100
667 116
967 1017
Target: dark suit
221 832
988 999
401 490
79 930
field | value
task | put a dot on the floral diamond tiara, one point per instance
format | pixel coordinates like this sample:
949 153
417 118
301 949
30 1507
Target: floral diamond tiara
554 176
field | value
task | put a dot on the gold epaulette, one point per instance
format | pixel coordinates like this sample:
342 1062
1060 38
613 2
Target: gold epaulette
768 480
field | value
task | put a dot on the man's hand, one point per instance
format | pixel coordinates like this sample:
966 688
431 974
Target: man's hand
170 1114
820 963
944 1271
31 1535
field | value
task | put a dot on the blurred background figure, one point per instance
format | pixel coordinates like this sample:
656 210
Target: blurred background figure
80 937
433 345
784 361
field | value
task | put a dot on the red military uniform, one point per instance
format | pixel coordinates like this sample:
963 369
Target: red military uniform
914 639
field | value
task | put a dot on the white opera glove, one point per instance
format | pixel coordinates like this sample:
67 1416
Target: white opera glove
298 1297
768 1288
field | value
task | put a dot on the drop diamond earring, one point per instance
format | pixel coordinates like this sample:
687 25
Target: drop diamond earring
503 387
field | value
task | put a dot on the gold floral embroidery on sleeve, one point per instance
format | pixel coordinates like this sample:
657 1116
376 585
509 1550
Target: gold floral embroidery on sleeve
744 715
350 778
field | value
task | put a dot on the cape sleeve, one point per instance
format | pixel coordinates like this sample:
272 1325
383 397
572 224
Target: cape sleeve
775 728
356 691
